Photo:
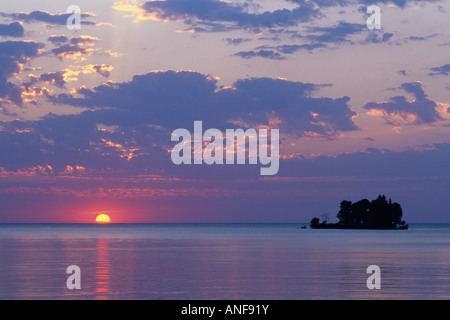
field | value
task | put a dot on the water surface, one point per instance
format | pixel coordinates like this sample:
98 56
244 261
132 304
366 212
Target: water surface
222 261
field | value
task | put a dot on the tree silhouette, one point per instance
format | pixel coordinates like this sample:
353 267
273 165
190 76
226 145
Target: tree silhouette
314 222
365 214
345 215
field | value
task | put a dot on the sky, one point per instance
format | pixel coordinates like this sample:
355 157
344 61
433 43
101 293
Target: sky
86 115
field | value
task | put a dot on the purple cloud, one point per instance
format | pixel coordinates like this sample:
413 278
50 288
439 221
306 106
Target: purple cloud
72 47
278 52
13 54
46 17
399 3
56 78
262 53
236 41
335 34
58 40
14 29
442 70
420 110
175 99
215 15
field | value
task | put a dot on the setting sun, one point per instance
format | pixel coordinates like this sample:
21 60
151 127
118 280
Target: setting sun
102 218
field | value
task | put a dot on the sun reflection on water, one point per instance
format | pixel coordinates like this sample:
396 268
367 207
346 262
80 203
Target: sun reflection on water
102 270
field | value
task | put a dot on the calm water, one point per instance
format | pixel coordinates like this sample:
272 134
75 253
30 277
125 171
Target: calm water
222 261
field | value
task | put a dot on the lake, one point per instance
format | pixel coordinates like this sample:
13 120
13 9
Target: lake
222 261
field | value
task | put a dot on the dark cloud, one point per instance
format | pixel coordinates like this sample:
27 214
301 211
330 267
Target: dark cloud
55 78
159 94
222 16
421 38
82 40
320 37
418 111
325 3
129 124
73 46
442 70
262 53
69 50
375 37
289 104
343 3
236 41
387 36
278 52
46 17
13 54
292 48
214 13
335 34
399 3
103 69
58 40
175 99
14 29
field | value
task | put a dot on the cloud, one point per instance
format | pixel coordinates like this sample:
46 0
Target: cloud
325 3
126 129
278 52
70 51
102 69
320 37
262 53
336 34
422 38
160 94
442 70
60 78
73 48
83 40
216 15
342 3
292 48
236 41
119 148
56 78
223 16
175 99
14 29
49 18
262 101
13 55
401 111
400 3
374 37
58 40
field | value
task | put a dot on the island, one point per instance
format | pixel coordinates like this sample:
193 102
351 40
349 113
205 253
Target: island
364 214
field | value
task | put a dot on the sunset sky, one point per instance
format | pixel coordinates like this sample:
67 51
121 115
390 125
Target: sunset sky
86 115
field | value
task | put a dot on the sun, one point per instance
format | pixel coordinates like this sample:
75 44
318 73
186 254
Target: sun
102 218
